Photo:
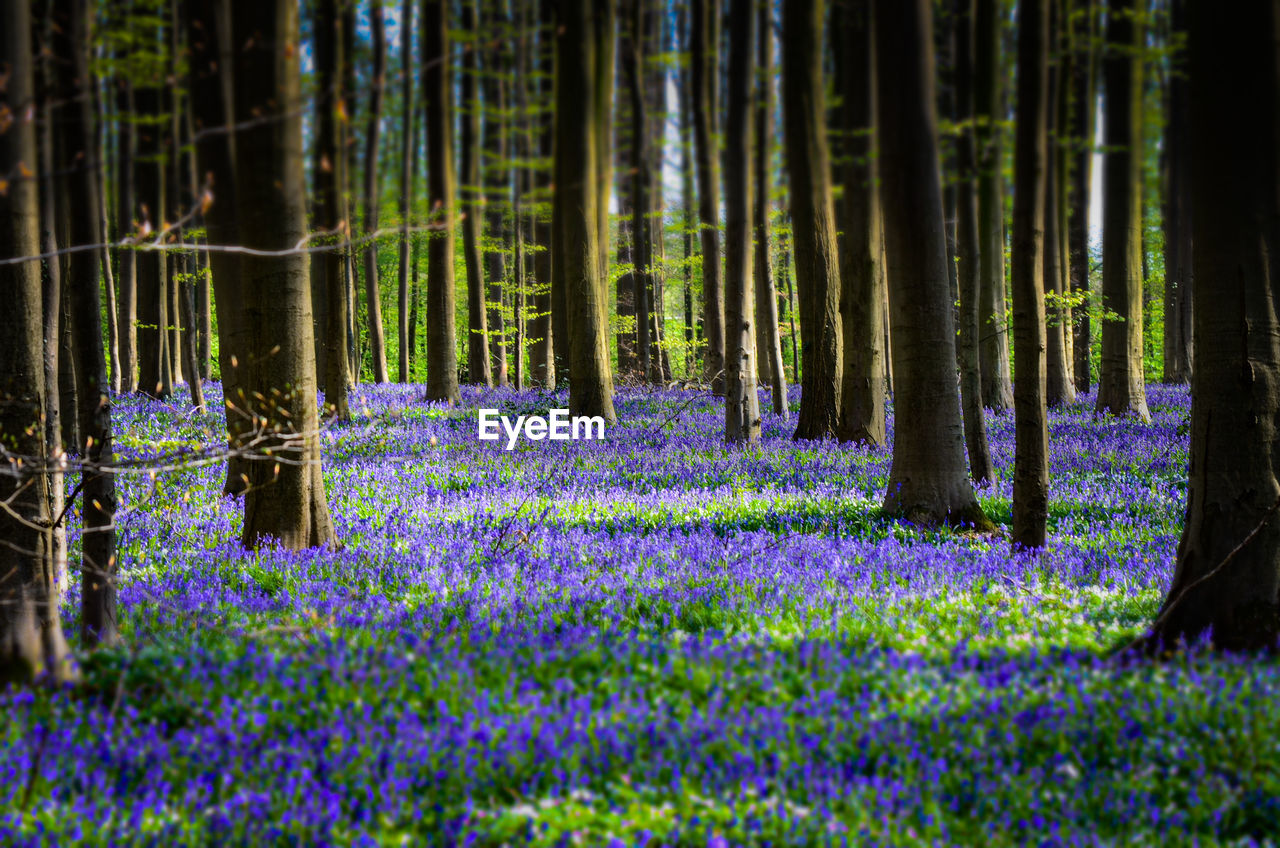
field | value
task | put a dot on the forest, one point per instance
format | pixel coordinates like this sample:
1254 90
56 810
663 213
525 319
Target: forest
639 422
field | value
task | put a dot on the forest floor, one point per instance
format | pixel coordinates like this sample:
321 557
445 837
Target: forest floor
650 639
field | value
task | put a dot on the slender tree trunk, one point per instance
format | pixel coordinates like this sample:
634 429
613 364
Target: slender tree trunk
691 337
105 233
1121 388
577 172
472 200
442 354
768 341
407 185
540 342
372 285
152 268
742 402
862 395
497 188
1031 458
703 80
813 229
981 469
285 502
928 482
997 390
1084 24
126 155
1226 580
31 640
641 183
1177 215
1059 385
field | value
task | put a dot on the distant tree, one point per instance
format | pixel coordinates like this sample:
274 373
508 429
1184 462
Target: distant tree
442 354
742 402
408 153
540 329
495 84
704 40
968 251
155 375
285 501
1059 384
768 337
126 277
1031 456
31 638
1178 264
988 108
1121 388
1226 578
813 227
577 246
862 282
928 482
472 200
372 287
640 183
1083 23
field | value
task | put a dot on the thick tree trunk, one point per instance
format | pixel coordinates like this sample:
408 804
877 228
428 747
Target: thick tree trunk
31 640
407 185
993 348
981 469
442 353
704 81
1121 389
1031 457
577 171
768 337
741 401
329 268
928 482
286 501
1059 385
1177 216
862 282
813 226
472 199
1227 576
372 285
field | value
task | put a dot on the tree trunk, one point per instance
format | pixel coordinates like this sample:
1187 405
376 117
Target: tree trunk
1031 456
285 502
407 185
742 402
641 183
442 354
862 281
541 345
704 80
577 172
155 377
968 251
1227 576
496 188
372 285
1177 215
126 280
691 336
31 640
927 480
105 233
813 228
472 199
328 268
1083 79
993 348
768 340
1120 379
1059 385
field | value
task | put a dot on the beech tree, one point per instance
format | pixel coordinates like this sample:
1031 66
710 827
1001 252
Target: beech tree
704 41
768 337
1059 382
1083 23
285 501
1031 434
372 289
31 639
408 153
1121 387
471 202
813 227
928 480
1178 264
742 403
1227 575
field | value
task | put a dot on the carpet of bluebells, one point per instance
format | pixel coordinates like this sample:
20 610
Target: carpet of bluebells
646 640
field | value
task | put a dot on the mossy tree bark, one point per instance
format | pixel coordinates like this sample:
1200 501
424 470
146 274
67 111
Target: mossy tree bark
285 502
31 640
862 282
742 402
813 226
1121 388
1031 434
1227 576
928 479
442 354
